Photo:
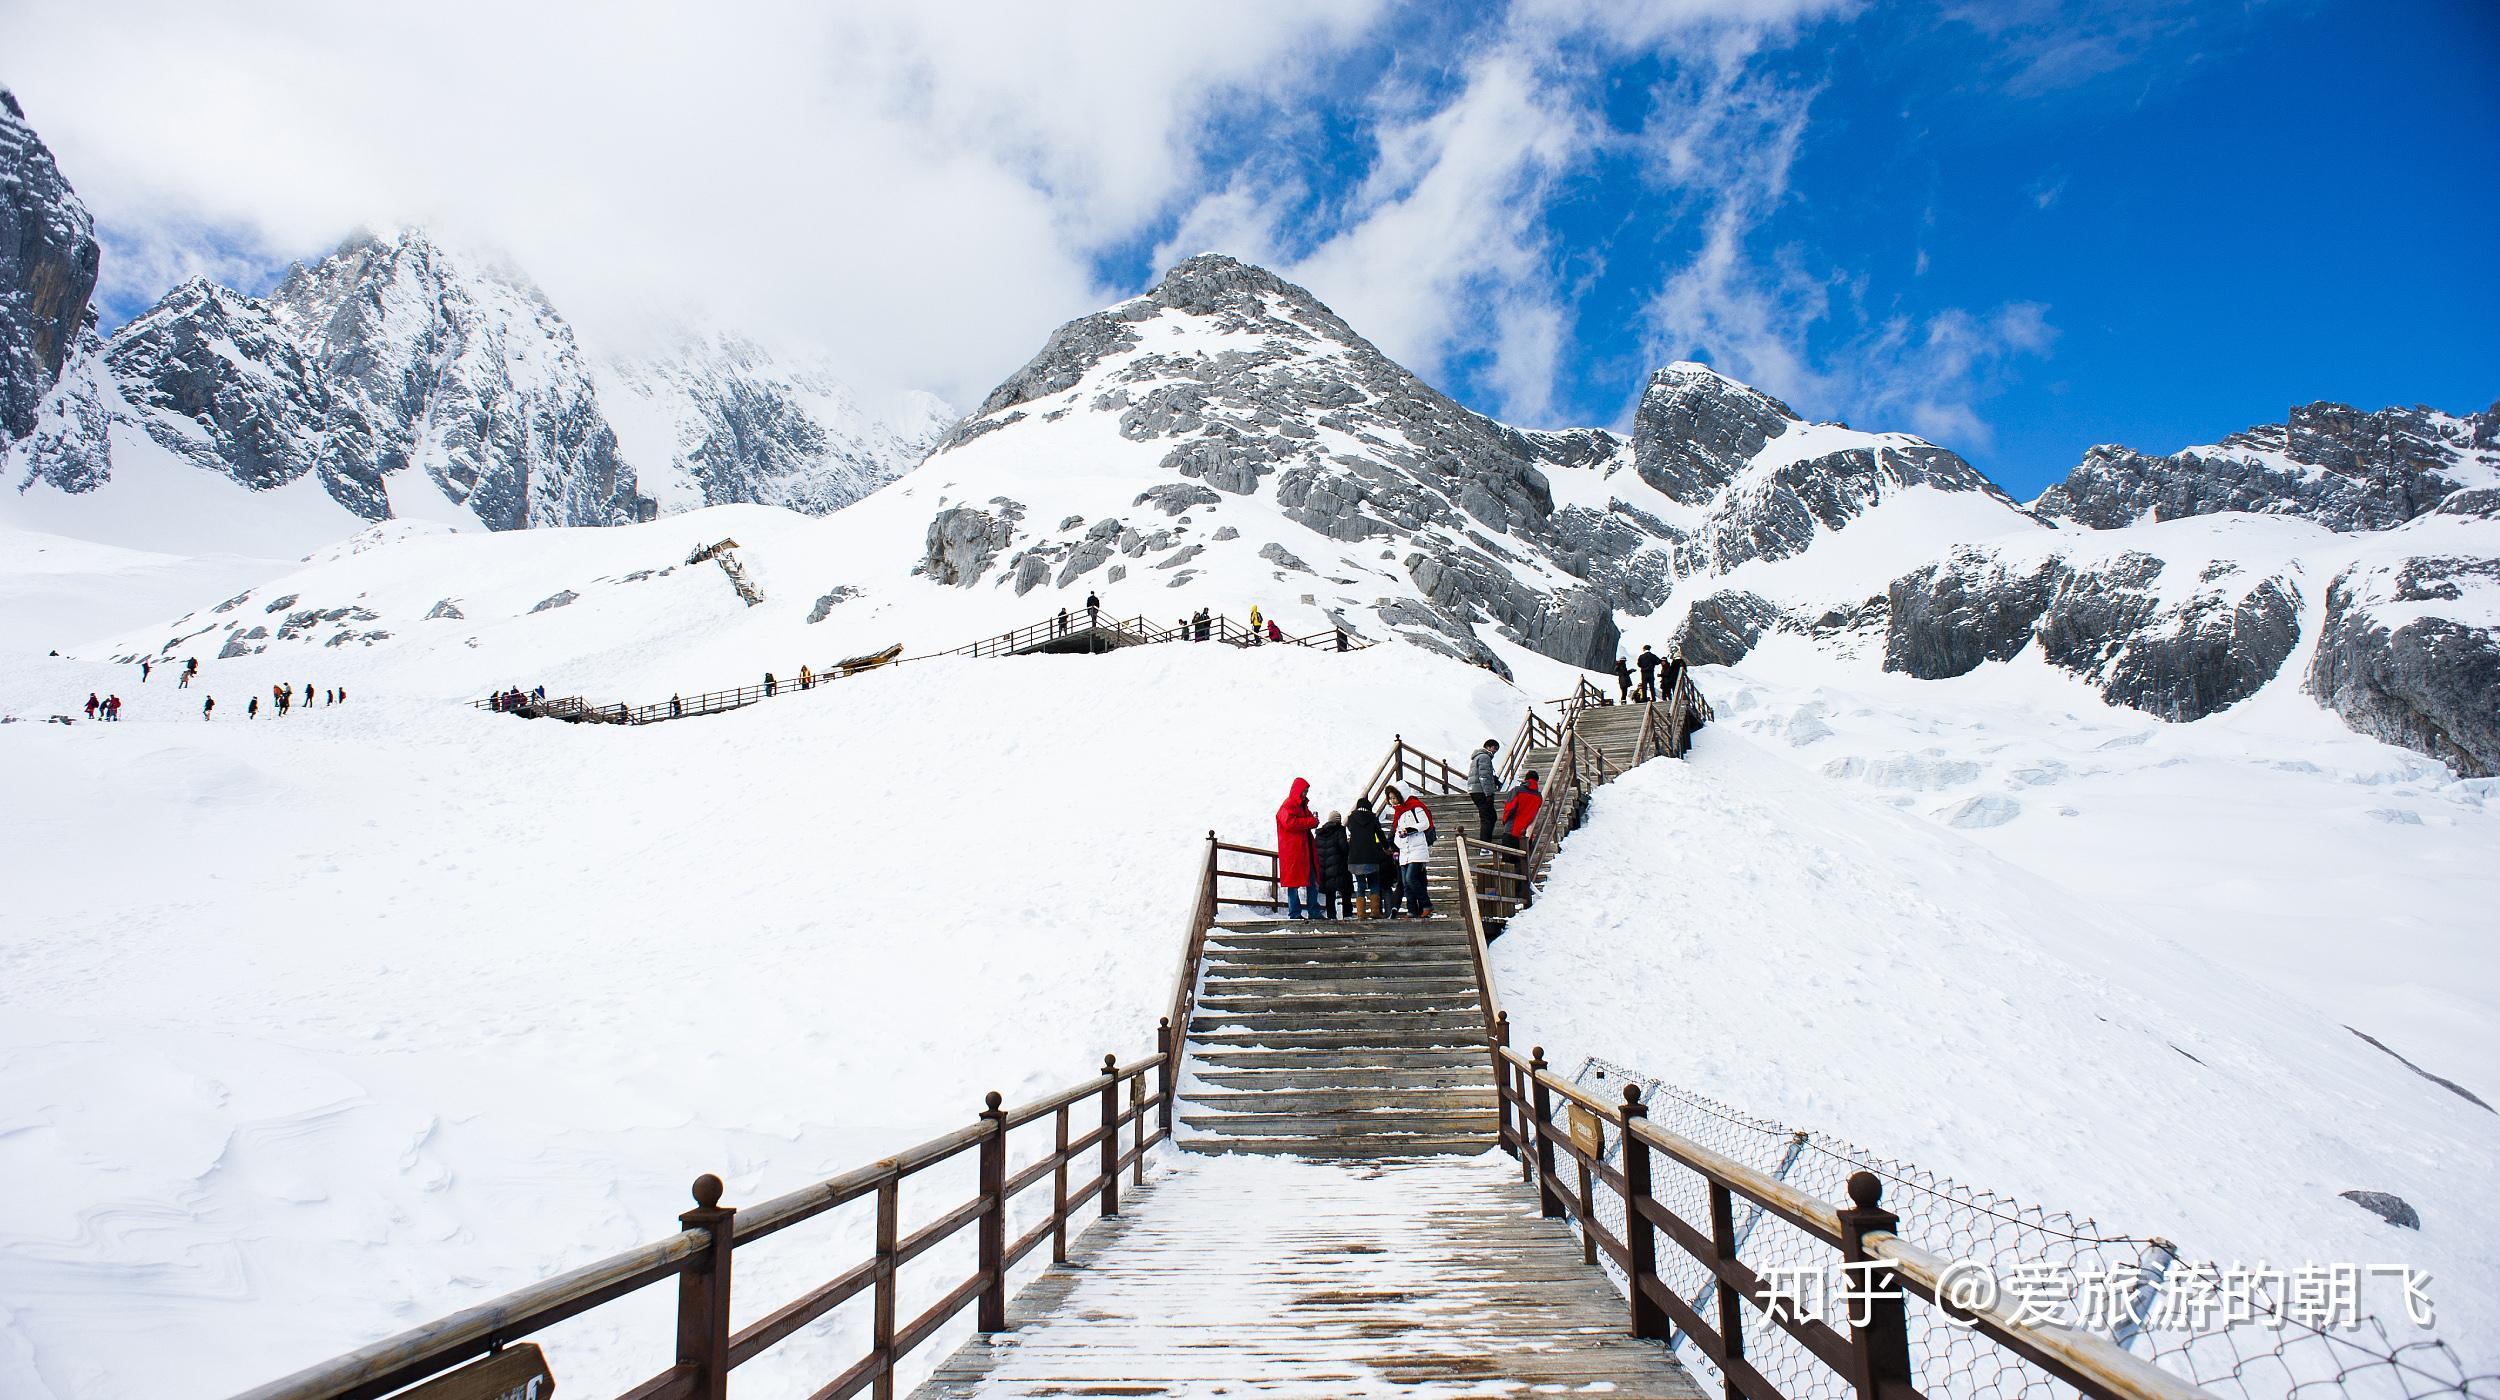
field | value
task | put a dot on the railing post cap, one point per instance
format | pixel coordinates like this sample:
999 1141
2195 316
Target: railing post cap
1111 1064
1865 1191
707 1191
1632 1099
991 1101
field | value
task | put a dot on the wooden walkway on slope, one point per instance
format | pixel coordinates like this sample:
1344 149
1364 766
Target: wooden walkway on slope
1245 1275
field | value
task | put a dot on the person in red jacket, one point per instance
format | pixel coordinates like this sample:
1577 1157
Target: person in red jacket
1519 814
1294 823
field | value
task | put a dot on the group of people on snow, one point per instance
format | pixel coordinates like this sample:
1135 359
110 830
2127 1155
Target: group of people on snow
1658 676
1375 862
284 697
107 709
514 697
772 684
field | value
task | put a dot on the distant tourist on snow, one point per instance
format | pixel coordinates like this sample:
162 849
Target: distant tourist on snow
770 686
807 678
1519 814
93 704
1063 622
208 707
1336 881
1668 677
1206 624
252 710
113 709
183 681
1483 785
676 706
1367 855
1274 632
1341 639
1093 610
1410 827
1623 678
1294 824
1649 672
143 672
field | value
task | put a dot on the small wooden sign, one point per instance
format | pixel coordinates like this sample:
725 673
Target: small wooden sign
1588 1131
515 1373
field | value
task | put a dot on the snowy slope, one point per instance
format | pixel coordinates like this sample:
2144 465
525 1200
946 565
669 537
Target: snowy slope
1813 956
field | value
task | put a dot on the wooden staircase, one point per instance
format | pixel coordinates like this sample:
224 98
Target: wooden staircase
1338 1039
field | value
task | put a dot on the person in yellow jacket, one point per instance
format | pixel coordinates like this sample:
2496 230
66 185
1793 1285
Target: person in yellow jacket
1254 622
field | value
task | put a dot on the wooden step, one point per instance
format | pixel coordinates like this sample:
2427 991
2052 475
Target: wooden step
1376 1126
1473 1042
1219 1003
1478 1099
1223 1080
1237 1058
1373 981
1449 1145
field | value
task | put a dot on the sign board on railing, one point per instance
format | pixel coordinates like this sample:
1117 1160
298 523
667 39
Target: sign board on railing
1588 1131
514 1373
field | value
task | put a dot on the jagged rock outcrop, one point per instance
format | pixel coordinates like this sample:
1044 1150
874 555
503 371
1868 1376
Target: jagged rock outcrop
719 419
1776 514
2108 621
49 260
2411 654
460 369
965 540
2329 462
222 385
1696 429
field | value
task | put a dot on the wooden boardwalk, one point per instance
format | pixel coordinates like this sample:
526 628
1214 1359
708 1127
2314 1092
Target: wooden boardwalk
1244 1275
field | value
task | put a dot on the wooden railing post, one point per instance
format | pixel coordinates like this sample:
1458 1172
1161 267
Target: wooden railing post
881 1316
1137 1129
1501 1086
1731 1307
1167 1073
1541 1104
1879 1324
1640 1238
1059 1192
1110 1135
994 1216
703 1293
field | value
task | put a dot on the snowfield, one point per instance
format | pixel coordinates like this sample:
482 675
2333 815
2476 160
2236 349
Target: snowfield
312 1029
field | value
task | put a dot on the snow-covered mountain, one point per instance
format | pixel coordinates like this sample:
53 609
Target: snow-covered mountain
400 378
716 418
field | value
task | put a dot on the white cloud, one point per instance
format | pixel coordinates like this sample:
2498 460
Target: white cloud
1784 319
920 187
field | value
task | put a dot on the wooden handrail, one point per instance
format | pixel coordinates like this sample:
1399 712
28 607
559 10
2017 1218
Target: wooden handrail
701 1255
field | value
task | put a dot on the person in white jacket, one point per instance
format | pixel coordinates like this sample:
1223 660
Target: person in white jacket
1410 827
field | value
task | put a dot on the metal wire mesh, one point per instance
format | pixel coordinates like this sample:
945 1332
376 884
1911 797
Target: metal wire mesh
2189 1318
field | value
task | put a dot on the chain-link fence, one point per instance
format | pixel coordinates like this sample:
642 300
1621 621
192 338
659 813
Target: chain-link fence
2298 1333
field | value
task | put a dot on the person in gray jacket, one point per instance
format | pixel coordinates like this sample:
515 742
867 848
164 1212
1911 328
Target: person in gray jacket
1483 784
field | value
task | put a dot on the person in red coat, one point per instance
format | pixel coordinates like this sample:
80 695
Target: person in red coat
1519 814
1294 823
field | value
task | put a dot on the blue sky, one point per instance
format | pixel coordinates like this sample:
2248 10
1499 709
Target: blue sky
2018 227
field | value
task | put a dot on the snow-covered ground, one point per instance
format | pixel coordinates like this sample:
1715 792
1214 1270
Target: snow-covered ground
313 1028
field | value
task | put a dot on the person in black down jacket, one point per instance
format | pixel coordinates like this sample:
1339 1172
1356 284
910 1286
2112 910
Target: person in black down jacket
1369 860
1332 875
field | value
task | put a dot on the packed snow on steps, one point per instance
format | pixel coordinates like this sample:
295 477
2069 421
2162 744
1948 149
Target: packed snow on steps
1743 927
315 1028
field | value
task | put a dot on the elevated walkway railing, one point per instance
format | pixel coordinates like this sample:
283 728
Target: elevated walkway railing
1046 635
1100 1127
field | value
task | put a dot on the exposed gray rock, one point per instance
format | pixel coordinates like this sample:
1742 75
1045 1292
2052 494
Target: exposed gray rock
2327 462
1282 557
1696 429
963 540
2395 1210
826 604
1777 516
555 600
232 392
1721 629
1174 497
2427 677
444 609
48 265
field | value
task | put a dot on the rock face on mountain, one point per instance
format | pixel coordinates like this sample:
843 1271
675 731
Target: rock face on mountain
458 369
718 419
1227 377
220 382
2411 654
48 265
2328 462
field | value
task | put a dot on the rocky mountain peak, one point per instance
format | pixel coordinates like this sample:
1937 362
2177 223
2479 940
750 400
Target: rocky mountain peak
2332 463
1696 429
49 259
